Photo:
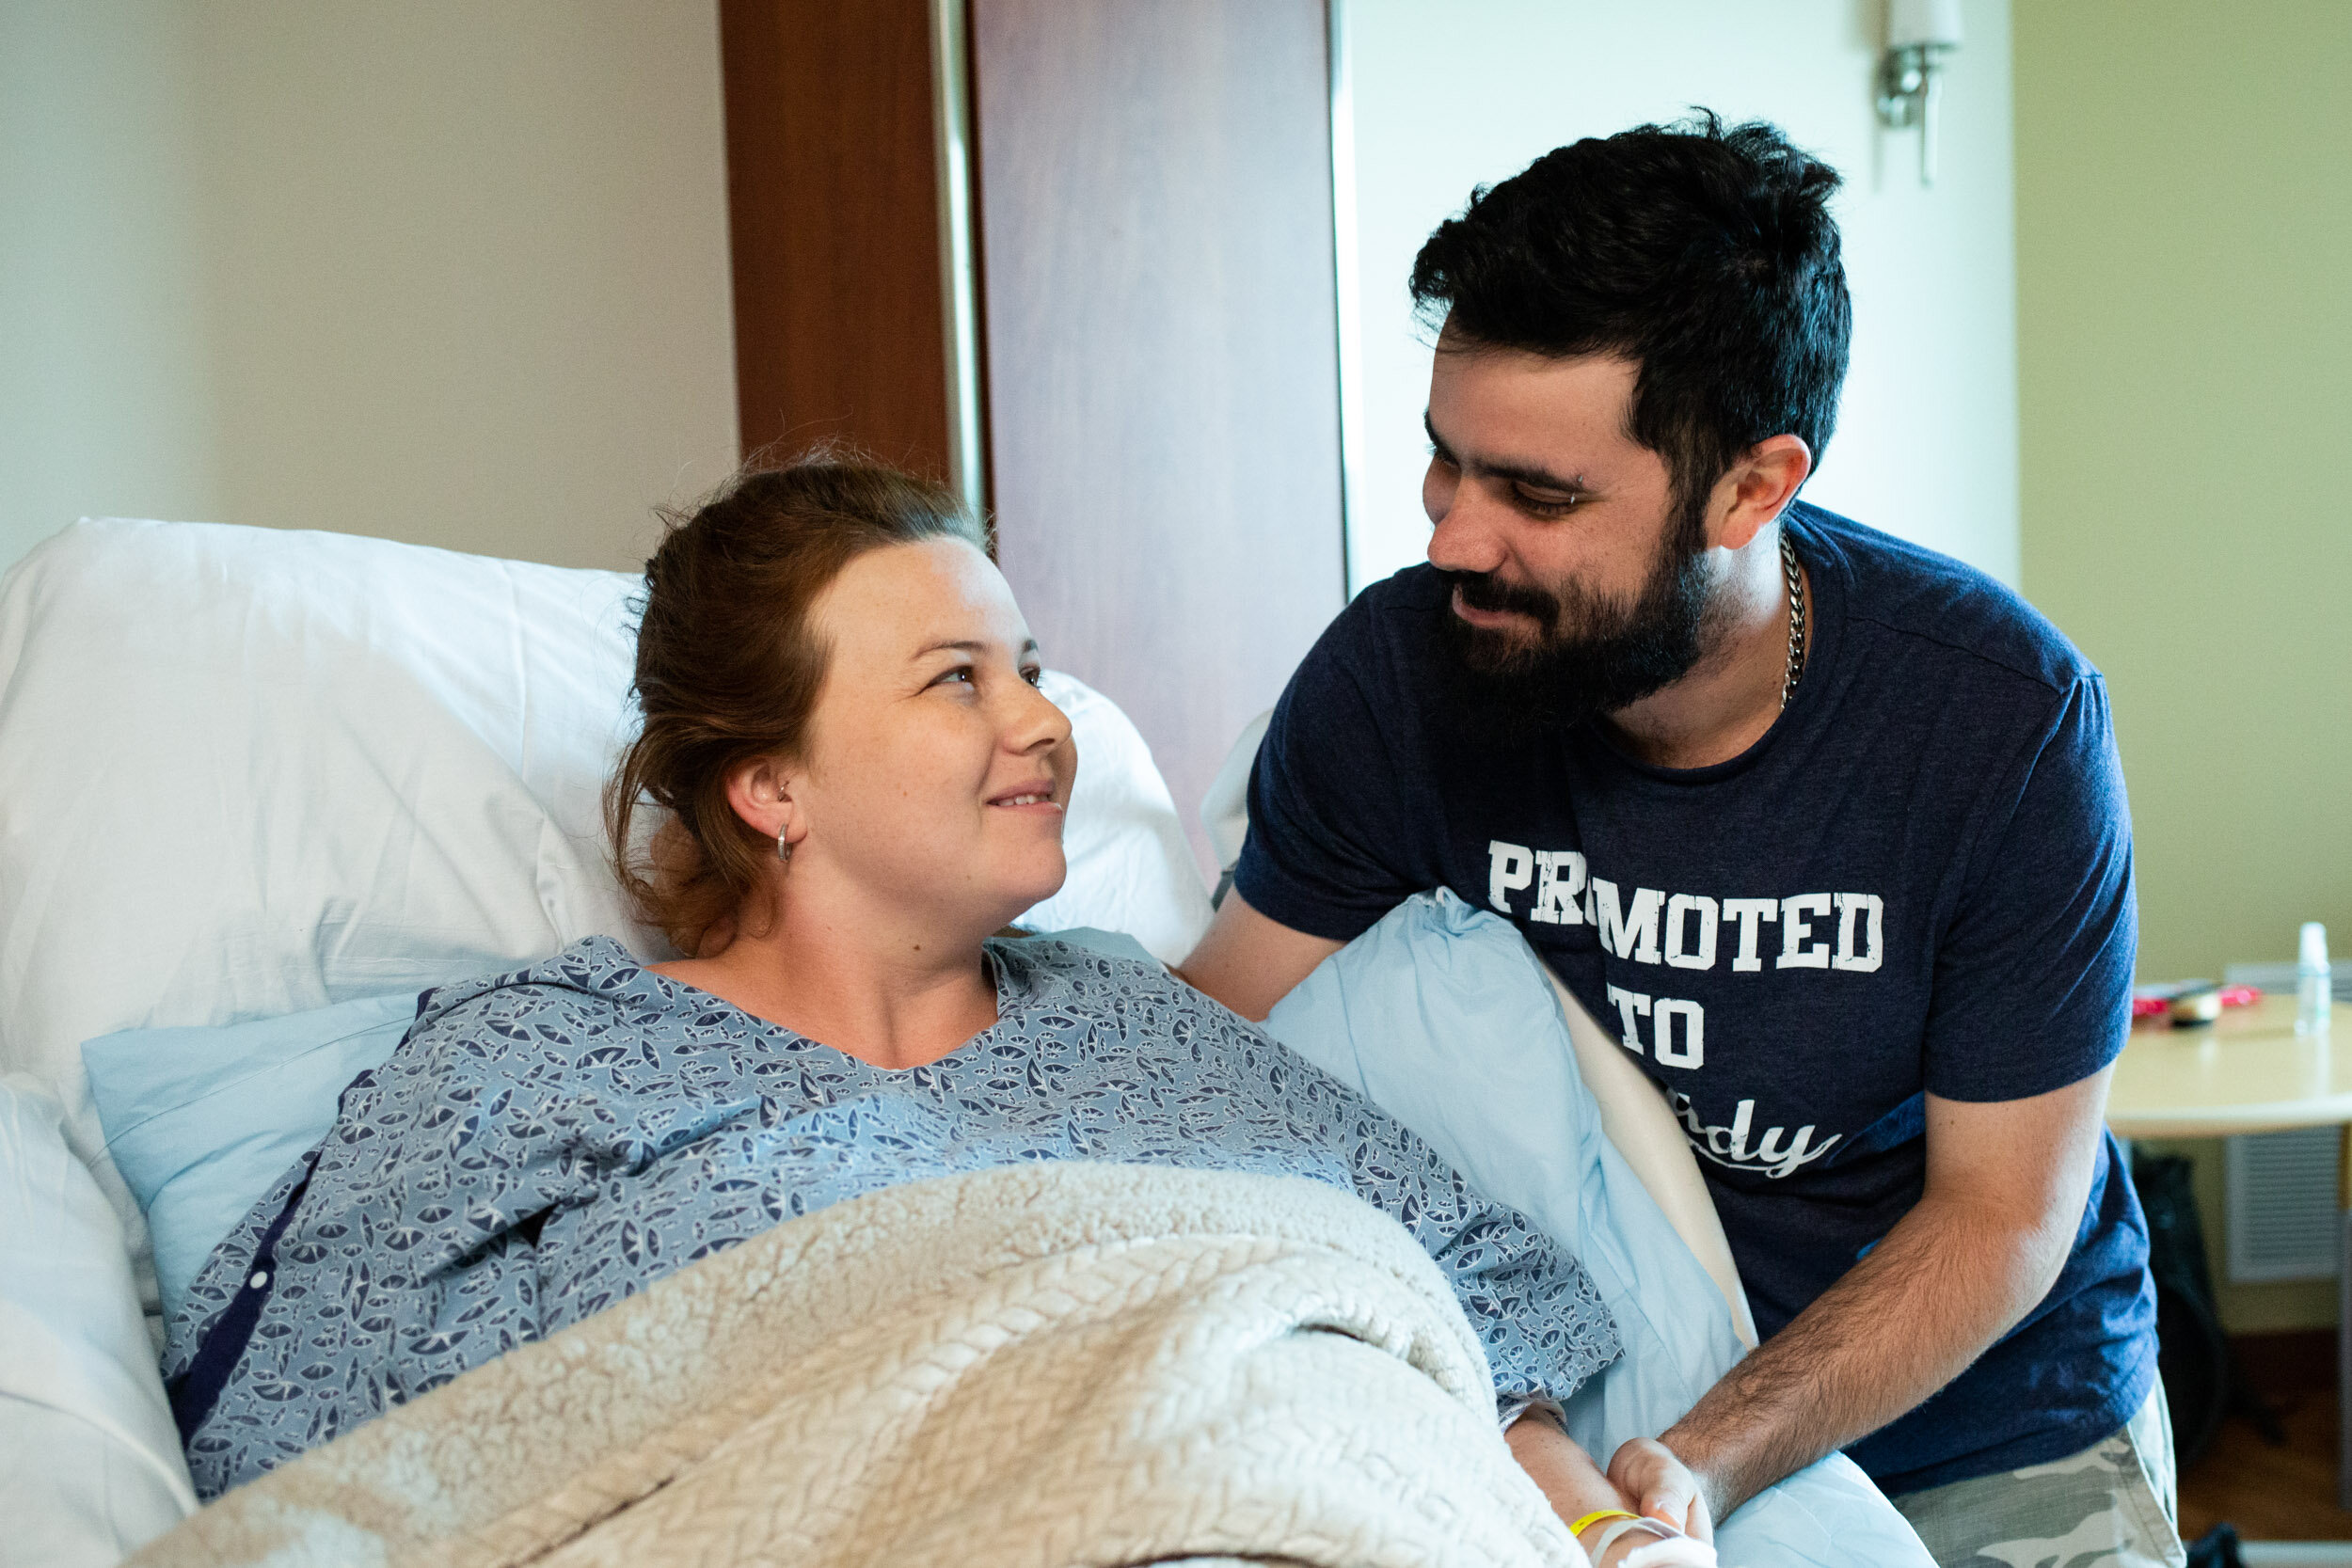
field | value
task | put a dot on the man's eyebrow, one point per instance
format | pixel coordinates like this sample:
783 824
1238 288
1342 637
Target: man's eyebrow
1531 475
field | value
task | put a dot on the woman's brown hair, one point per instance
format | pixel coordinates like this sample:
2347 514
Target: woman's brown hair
729 667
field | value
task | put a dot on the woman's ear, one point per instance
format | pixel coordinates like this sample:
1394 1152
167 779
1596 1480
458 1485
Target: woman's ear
764 793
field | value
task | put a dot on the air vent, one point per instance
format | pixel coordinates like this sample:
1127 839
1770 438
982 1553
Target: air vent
2282 1205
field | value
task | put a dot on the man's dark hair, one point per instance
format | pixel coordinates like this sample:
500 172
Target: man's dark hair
1706 254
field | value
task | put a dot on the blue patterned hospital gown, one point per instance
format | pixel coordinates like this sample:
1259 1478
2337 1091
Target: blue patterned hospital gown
548 1142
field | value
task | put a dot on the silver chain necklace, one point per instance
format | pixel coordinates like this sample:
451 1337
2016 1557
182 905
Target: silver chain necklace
1796 619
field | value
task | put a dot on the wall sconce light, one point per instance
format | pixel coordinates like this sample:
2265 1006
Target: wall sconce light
1919 33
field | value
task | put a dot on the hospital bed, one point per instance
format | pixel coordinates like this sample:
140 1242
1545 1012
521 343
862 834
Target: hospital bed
247 774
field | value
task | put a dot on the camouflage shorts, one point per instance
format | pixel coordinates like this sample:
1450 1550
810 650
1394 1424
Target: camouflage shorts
2111 1505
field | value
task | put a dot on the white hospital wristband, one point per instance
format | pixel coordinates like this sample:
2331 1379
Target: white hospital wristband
1610 1536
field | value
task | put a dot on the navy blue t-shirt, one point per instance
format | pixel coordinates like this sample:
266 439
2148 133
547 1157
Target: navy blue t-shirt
1918 881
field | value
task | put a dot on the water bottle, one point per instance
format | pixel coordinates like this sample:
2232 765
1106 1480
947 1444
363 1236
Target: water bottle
2311 998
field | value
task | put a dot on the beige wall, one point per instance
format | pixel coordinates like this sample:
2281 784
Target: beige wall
2185 324
2185 304
445 271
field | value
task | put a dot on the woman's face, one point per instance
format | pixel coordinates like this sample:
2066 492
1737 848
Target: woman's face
936 773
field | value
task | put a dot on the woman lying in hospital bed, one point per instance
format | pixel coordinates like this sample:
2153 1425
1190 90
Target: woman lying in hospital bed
841 718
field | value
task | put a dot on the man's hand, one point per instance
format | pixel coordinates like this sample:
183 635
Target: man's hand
1660 1486
2006 1186
1249 962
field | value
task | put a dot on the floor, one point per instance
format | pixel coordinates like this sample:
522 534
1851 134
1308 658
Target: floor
2282 1494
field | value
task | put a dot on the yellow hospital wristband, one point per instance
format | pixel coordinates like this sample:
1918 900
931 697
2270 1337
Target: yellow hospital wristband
1597 1516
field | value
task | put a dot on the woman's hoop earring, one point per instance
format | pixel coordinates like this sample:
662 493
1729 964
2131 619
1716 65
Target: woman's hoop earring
784 847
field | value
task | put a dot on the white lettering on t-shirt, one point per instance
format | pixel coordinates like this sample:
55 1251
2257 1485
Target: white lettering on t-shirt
1559 877
1647 924
1776 1155
1748 911
1795 929
1801 1150
1630 1005
1692 1050
1678 910
1841 931
1510 866
1631 933
1849 906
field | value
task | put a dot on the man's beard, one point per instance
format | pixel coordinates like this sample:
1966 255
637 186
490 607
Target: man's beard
1588 654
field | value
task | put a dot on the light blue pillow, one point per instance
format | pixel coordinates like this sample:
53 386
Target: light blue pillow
201 1122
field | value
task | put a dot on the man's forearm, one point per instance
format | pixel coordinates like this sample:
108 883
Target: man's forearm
1946 1283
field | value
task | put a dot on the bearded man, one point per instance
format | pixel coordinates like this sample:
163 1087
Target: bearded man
1829 827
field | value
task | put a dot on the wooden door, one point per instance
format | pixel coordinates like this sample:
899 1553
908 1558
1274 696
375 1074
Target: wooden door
1156 257
834 211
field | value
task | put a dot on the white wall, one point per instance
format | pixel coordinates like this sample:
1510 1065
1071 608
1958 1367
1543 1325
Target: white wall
1468 93
441 270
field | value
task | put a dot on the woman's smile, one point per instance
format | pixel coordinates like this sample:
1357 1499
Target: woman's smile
1036 796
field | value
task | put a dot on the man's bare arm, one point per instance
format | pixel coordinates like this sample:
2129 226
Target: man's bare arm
1249 962
2006 1186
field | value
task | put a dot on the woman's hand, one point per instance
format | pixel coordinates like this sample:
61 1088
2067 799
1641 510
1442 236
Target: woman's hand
1576 1488
1639 1548
1661 1486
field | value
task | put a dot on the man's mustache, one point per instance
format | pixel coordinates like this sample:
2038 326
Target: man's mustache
1486 592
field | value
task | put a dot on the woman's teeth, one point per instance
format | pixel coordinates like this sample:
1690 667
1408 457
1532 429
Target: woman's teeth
1024 800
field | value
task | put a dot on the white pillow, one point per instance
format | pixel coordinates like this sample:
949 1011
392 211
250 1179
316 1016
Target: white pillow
89 1462
246 773
1131 869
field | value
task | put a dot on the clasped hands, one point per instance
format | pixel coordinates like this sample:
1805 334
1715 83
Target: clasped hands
1611 1511
1654 1484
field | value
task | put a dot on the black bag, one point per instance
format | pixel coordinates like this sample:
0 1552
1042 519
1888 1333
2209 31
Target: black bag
2216 1548
2193 1354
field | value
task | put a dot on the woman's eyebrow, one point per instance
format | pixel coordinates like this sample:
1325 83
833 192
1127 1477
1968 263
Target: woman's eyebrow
969 646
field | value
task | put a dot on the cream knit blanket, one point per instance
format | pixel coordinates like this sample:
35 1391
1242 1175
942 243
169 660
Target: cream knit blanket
1041 1365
